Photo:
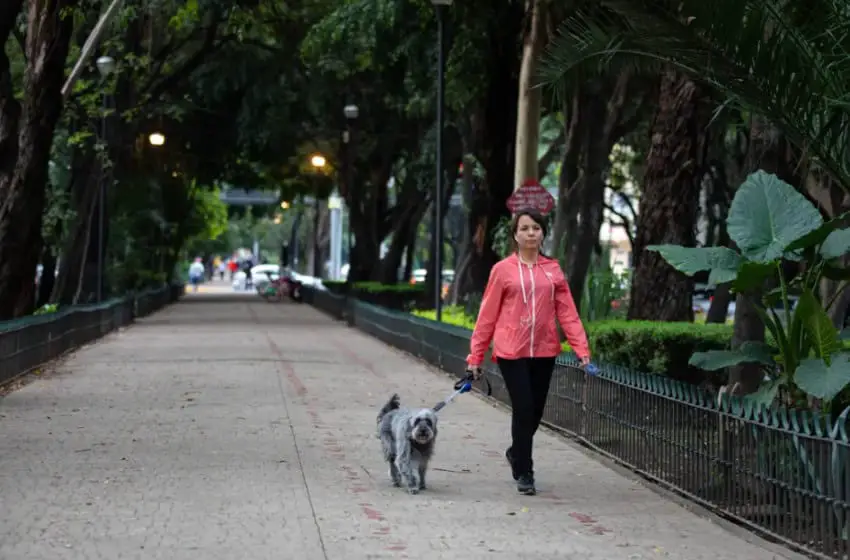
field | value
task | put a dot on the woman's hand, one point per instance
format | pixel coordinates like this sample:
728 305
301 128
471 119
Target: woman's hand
585 361
475 371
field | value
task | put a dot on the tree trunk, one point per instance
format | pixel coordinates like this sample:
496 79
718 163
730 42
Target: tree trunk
314 256
718 200
493 135
595 124
48 277
23 187
10 108
83 192
768 150
528 105
467 186
402 239
452 158
590 193
566 207
410 255
669 203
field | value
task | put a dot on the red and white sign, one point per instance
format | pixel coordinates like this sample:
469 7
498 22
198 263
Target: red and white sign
531 195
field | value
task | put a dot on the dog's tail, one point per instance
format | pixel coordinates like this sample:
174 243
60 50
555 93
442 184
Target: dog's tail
393 404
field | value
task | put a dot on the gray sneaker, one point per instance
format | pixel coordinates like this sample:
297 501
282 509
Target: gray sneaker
525 485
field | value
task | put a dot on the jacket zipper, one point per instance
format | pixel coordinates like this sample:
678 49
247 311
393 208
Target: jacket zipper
533 309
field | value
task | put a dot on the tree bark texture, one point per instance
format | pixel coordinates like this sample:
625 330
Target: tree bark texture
23 179
493 130
669 203
768 150
528 107
598 118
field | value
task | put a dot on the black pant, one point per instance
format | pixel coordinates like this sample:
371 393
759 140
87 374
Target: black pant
527 381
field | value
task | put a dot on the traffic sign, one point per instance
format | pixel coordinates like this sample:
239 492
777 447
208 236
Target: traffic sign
531 195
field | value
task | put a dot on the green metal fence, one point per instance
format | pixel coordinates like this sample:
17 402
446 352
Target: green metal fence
32 341
784 473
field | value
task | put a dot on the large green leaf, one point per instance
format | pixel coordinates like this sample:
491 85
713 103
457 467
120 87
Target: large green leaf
818 325
767 215
722 261
818 236
752 276
748 352
819 380
767 392
836 244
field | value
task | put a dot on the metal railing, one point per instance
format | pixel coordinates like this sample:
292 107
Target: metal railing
30 342
783 473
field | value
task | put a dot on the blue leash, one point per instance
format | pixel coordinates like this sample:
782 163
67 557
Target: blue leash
464 385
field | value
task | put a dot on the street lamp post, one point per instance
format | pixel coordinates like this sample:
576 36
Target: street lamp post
440 6
318 162
105 66
351 113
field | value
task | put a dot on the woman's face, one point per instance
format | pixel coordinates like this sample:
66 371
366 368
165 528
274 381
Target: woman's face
529 234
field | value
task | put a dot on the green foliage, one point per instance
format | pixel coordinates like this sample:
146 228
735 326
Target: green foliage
46 309
655 347
209 216
451 314
378 287
603 291
502 241
651 347
784 60
770 221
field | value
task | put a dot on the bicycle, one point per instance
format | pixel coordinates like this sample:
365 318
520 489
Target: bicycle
280 287
275 290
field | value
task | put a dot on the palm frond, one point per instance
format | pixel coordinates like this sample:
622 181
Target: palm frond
785 60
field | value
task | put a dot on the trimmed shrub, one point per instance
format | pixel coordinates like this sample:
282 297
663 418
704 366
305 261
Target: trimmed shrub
647 346
400 297
660 348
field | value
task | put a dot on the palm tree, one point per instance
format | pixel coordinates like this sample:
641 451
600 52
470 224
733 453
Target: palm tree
787 61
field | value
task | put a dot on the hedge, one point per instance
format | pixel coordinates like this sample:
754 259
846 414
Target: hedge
401 297
647 346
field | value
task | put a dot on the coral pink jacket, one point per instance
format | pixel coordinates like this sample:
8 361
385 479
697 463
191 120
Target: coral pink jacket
518 312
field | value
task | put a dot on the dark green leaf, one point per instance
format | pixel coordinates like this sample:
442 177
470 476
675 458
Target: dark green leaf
767 215
690 260
837 244
752 276
818 236
752 352
766 393
821 381
817 324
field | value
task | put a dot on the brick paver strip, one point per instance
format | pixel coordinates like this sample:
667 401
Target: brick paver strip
237 429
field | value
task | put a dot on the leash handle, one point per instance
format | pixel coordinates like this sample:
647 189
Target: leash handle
464 384
591 369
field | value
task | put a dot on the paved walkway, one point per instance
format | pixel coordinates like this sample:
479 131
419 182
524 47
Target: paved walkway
229 428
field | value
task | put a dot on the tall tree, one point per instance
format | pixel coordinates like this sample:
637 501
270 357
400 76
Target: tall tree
669 201
24 159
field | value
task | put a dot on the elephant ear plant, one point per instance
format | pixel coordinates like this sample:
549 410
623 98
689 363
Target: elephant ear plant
769 221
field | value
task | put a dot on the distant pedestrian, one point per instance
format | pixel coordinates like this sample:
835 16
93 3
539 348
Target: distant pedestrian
196 273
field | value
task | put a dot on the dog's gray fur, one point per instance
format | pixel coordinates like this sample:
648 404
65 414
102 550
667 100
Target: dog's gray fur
408 439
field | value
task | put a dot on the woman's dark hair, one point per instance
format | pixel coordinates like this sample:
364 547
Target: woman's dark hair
538 219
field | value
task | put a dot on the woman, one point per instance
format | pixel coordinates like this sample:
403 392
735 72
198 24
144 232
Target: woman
526 292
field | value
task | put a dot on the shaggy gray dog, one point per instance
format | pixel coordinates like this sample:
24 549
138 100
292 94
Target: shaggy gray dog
408 439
